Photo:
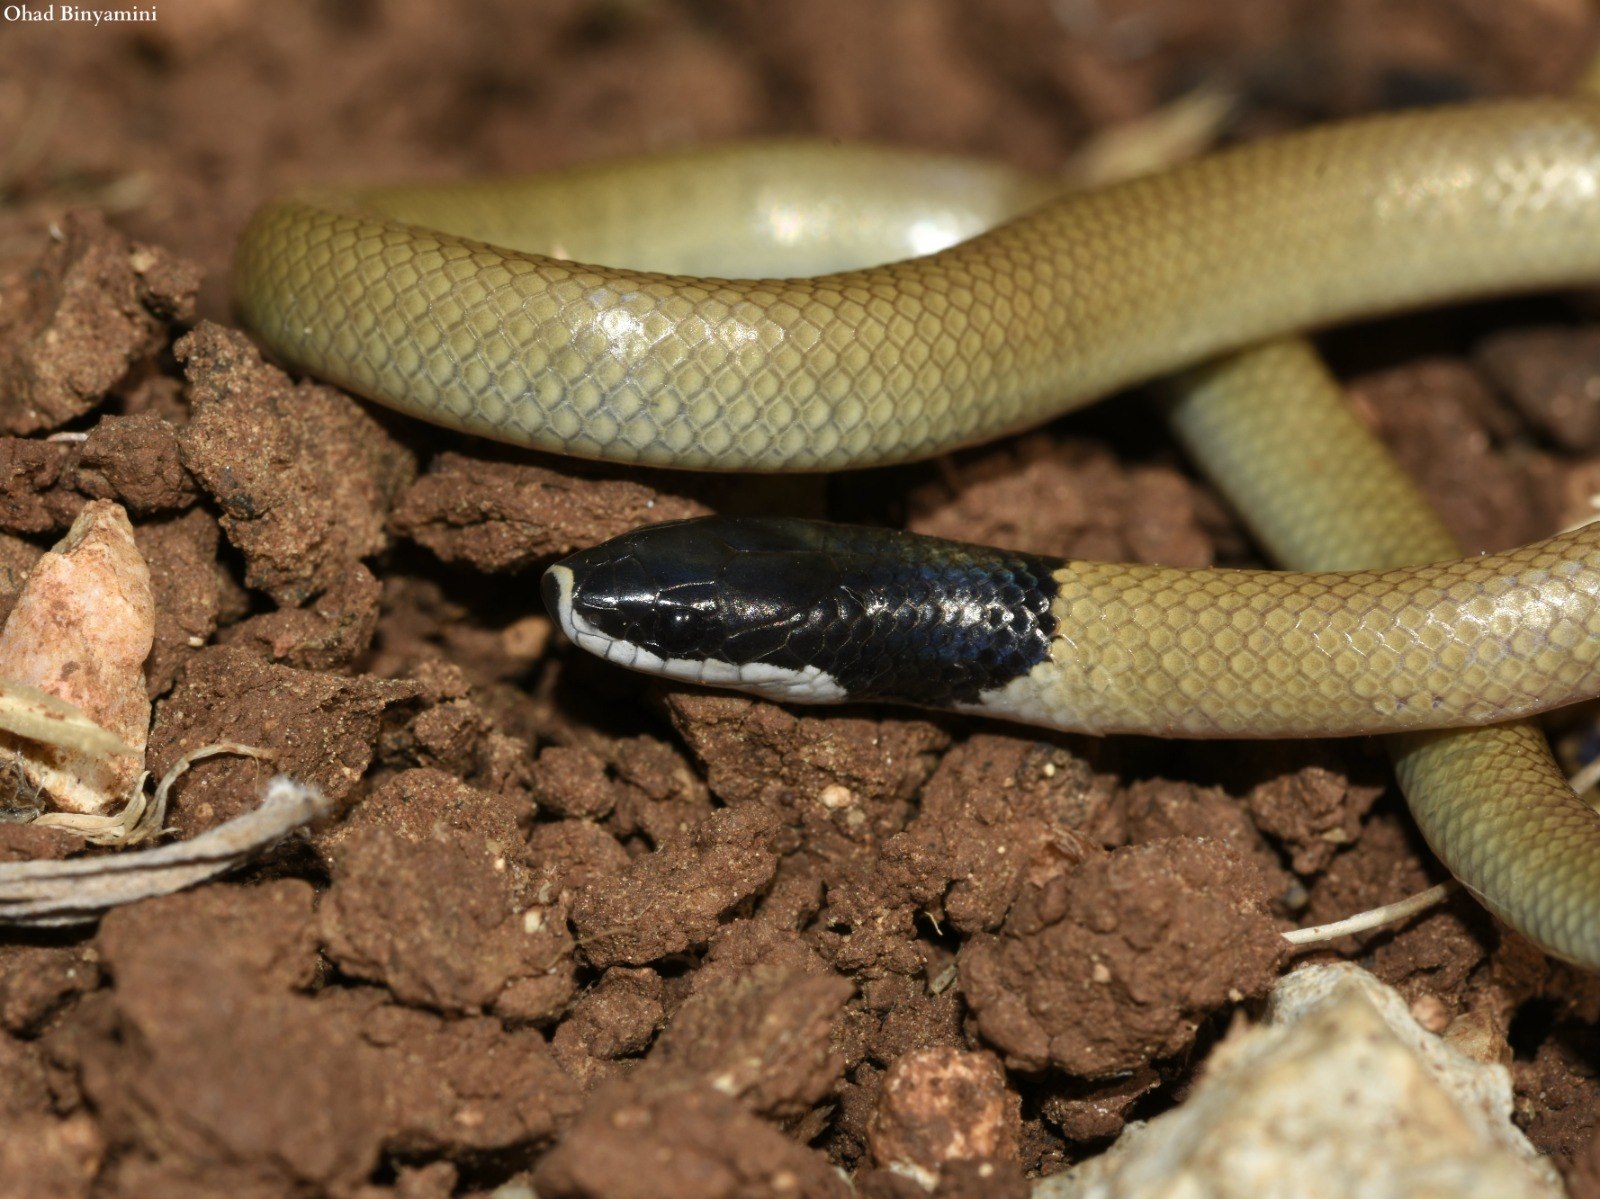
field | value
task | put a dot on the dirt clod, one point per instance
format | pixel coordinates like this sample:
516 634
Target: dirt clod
680 1144
619 1016
185 981
330 633
764 1038
135 460
505 516
400 909
35 492
1108 969
456 1086
95 305
673 900
571 781
753 750
321 728
304 475
189 590
37 980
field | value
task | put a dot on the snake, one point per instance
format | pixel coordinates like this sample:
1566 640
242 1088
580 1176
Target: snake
481 306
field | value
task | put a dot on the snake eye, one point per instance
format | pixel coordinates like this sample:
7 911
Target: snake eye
681 628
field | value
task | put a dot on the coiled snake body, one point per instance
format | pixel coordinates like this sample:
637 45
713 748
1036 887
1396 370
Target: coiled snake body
497 327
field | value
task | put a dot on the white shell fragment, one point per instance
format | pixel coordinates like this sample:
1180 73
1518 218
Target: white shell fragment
1340 1094
77 639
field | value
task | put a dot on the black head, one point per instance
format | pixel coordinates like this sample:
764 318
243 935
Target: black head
804 610
719 588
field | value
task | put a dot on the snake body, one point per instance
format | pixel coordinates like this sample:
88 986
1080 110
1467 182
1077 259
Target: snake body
803 610
1323 493
1086 294
464 306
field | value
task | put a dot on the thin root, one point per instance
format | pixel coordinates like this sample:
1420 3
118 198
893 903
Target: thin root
1389 913
142 818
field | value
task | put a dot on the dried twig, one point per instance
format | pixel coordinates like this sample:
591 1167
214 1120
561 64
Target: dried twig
1389 913
141 819
42 894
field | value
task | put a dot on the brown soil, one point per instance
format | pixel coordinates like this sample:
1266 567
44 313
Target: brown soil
618 938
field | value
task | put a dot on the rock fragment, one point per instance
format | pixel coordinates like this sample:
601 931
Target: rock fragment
1339 1095
940 1106
81 631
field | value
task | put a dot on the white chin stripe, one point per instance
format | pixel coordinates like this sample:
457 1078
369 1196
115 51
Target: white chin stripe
808 686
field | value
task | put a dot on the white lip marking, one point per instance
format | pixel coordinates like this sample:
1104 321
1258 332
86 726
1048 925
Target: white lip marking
811 685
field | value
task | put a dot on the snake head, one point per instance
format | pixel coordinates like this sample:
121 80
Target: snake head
805 611
720 601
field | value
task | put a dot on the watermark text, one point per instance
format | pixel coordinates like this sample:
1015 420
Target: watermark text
74 14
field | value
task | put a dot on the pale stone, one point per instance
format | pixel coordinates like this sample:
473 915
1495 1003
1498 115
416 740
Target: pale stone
81 631
1339 1094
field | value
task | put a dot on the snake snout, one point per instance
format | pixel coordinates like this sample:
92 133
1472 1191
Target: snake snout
550 591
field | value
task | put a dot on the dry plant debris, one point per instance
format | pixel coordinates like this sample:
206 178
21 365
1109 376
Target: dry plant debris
47 893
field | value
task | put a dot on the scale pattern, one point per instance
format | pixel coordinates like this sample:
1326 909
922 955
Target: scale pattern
883 614
1497 197
1273 430
1079 297
1242 653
